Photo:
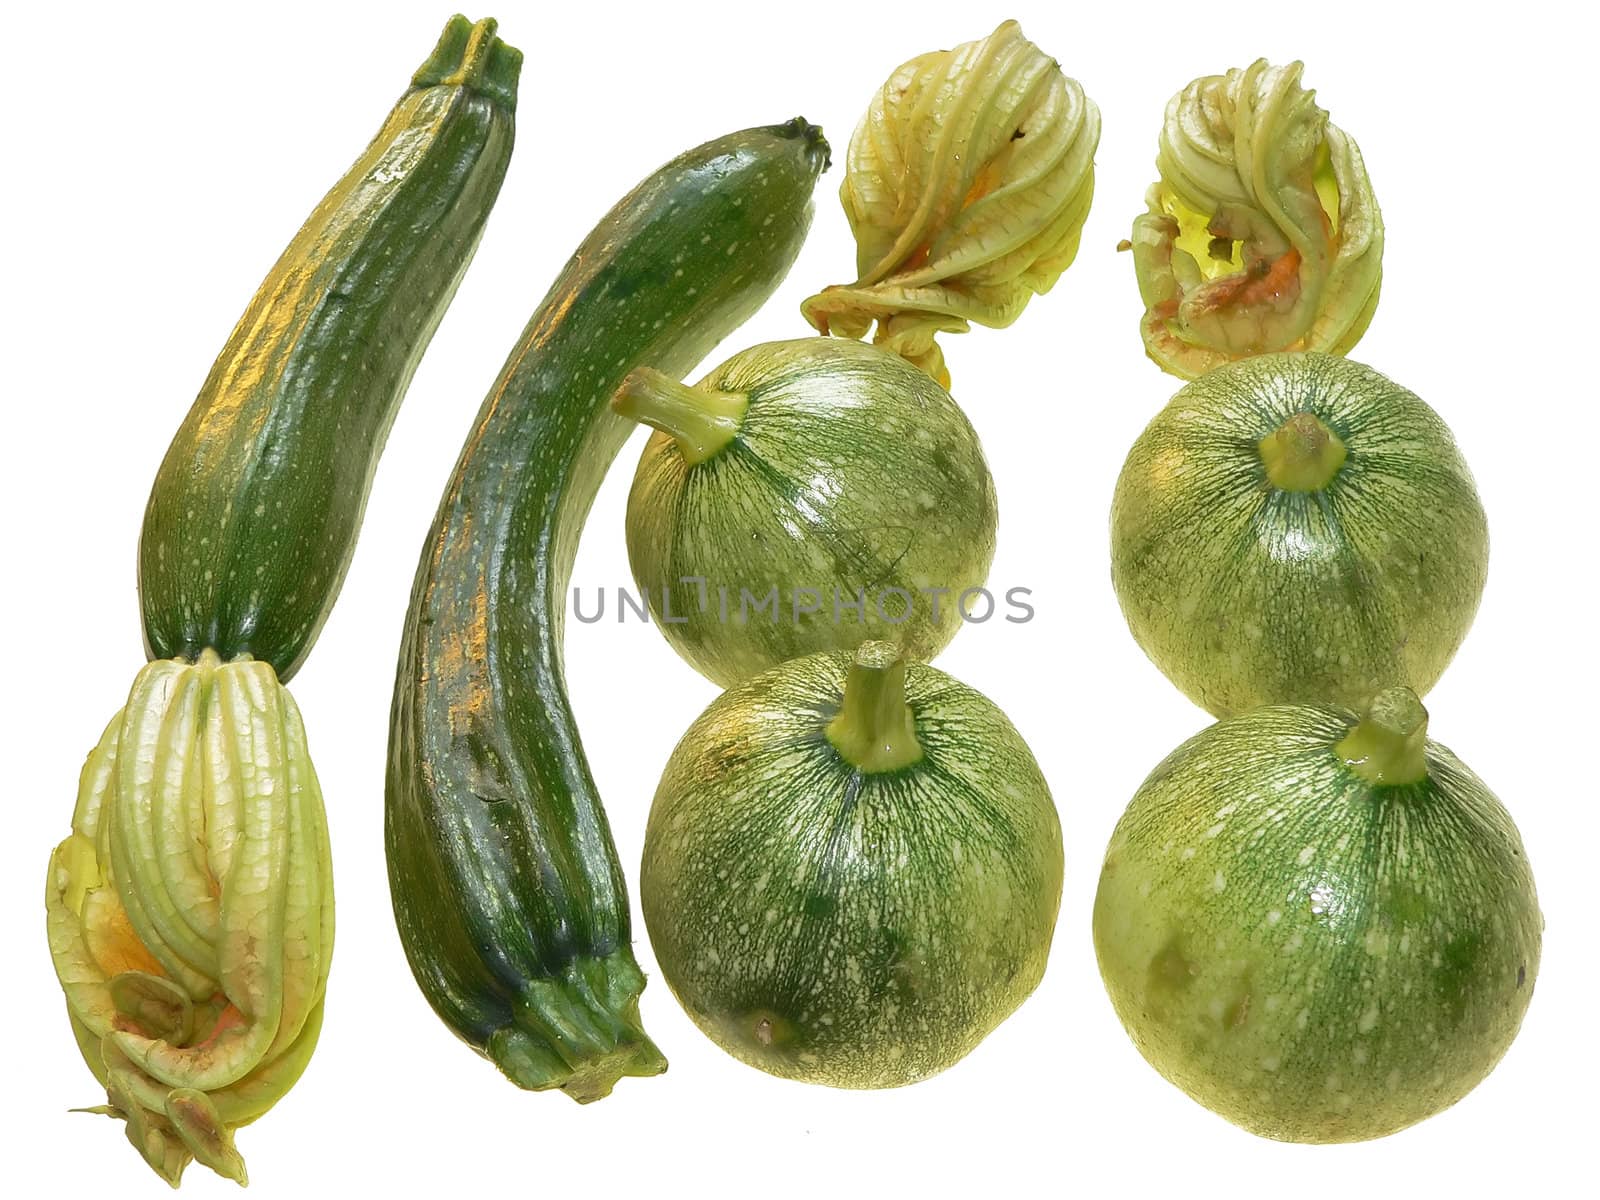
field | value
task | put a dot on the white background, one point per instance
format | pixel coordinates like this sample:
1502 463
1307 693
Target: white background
155 167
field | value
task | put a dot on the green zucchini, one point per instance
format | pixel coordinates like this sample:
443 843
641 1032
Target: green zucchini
1320 925
506 889
804 496
852 870
190 911
254 514
1296 527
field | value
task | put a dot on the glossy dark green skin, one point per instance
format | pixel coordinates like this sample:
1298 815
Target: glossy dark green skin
254 515
1244 594
1315 957
506 888
849 928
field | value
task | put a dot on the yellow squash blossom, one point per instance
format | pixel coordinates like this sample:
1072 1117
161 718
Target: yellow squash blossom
966 185
190 911
1262 233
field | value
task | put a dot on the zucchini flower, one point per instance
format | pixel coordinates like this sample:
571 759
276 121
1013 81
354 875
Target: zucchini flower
966 185
1263 233
190 911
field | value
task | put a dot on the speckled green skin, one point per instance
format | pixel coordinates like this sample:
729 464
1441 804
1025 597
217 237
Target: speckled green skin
852 471
843 928
511 905
253 518
1243 594
1314 957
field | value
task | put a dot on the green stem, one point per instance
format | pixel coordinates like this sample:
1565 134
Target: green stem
875 729
1389 745
700 420
469 55
1302 454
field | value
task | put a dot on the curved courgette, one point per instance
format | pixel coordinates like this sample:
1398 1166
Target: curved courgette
254 514
506 887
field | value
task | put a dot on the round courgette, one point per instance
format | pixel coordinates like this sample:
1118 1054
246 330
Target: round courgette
805 496
1296 527
1320 925
852 870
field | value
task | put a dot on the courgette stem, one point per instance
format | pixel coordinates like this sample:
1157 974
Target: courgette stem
1389 745
470 56
1302 454
876 730
700 420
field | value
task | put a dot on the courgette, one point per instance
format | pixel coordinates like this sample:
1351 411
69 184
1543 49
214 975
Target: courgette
805 496
190 911
506 889
253 517
852 869
1319 923
1297 527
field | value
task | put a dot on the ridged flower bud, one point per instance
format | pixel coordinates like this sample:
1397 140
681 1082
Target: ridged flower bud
966 186
190 911
1262 233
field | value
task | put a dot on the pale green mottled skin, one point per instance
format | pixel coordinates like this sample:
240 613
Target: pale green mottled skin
1314 957
843 928
851 470
1243 594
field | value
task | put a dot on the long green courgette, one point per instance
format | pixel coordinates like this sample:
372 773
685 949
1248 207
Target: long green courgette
506 888
254 513
190 910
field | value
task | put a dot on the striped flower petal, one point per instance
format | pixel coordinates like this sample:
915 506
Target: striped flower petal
1262 233
190 911
966 185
